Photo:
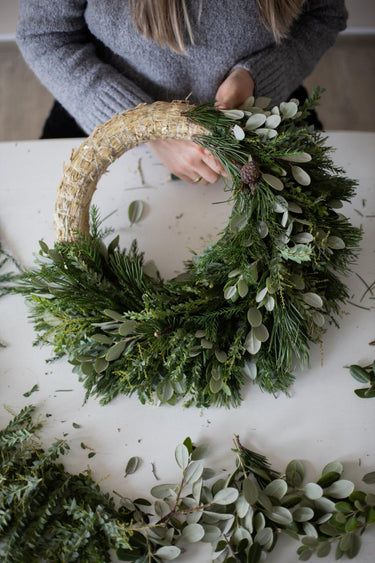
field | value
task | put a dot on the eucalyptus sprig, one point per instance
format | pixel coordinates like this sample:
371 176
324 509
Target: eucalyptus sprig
49 514
246 309
364 375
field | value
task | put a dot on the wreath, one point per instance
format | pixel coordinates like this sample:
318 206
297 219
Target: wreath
49 514
247 308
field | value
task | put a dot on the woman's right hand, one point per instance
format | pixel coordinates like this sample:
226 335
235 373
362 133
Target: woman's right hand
188 161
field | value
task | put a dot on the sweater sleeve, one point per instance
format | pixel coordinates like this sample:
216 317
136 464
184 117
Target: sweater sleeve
56 42
278 70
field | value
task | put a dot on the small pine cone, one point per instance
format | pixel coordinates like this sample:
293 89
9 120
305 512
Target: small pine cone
250 174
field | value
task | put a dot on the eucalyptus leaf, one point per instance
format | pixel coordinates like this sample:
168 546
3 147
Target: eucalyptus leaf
193 533
132 465
252 344
273 181
168 552
313 299
301 176
277 489
340 489
226 496
182 456
136 210
254 316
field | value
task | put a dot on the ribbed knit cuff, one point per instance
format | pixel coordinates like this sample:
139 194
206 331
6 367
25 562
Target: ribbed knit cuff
113 97
272 72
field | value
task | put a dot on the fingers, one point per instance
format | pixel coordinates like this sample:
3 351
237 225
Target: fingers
213 163
234 89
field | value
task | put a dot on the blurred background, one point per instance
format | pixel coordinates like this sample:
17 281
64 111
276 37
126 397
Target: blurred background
347 71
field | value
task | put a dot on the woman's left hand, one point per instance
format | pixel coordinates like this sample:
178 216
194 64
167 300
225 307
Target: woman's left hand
238 86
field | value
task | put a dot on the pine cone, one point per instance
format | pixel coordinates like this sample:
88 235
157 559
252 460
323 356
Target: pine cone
250 174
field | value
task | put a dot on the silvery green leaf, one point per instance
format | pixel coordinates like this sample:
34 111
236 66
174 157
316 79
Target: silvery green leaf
238 132
226 496
294 208
318 319
193 472
250 491
254 316
242 288
295 473
288 109
127 327
252 344
100 365
194 517
227 525
242 506
197 489
168 552
261 333
300 157
255 121
289 230
266 133
207 344
333 466
298 282
265 501
369 478
230 292
208 473
221 356
233 113
235 273
115 351
182 456
215 385
262 229
303 238
301 176
135 211
336 243
273 181
217 516
259 521
211 533
261 295
273 121
313 299
312 491
280 515
164 391
275 110
248 103
325 505
310 530
248 520
324 518
303 514
163 491
132 465
335 204
262 102
250 370
193 533
161 508
264 536
200 334
277 489
340 489
270 303
241 534
257 109
284 219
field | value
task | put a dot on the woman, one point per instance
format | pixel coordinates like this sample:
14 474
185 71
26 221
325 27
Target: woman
100 57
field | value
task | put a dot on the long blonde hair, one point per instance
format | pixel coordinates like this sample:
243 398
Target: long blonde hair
165 21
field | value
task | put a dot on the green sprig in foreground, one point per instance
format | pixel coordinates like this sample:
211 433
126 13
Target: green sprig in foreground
247 308
49 514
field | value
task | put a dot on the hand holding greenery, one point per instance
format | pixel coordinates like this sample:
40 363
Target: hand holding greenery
245 309
49 514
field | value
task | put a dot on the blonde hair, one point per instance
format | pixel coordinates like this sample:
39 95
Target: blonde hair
165 21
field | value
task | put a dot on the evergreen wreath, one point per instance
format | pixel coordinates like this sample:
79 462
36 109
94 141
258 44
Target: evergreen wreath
48 514
246 308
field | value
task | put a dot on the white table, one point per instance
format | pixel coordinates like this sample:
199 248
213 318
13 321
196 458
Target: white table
321 421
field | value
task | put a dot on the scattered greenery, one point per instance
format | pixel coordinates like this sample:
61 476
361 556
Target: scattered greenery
245 309
364 375
49 514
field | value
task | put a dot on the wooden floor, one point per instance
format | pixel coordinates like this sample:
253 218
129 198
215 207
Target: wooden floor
347 72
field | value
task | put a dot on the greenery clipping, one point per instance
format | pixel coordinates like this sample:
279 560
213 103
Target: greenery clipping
247 308
48 514
365 375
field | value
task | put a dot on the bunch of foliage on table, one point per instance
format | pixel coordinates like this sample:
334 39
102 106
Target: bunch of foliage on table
48 514
247 308
364 375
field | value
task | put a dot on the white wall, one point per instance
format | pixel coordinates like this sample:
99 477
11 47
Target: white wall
362 15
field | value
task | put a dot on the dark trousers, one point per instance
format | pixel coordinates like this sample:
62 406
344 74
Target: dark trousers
61 125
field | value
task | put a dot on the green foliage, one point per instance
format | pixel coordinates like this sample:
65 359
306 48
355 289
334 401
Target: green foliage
283 253
364 375
49 514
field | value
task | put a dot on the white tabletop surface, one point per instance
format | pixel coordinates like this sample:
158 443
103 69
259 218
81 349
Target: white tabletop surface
322 419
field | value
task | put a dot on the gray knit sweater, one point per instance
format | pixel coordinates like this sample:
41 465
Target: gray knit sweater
90 56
